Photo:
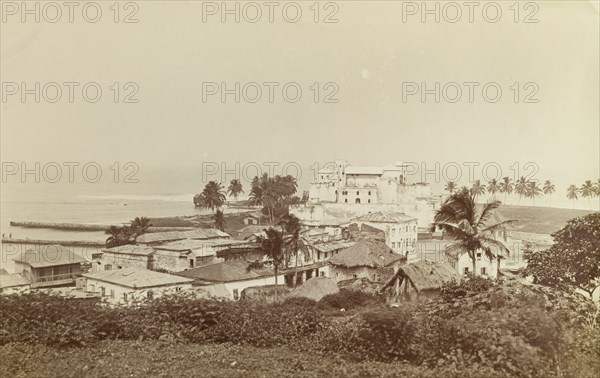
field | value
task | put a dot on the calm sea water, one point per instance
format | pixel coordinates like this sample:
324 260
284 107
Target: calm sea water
105 202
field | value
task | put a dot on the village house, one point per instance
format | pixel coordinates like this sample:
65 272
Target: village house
47 266
154 238
124 256
252 219
251 233
122 286
13 283
418 280
367 258
187 254
230 277
245 250
400 229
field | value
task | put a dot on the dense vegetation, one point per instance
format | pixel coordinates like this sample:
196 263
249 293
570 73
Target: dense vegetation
476 328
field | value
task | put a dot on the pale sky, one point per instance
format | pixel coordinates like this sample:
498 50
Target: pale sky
369 54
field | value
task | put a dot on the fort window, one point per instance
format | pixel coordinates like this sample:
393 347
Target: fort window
483 273
357 200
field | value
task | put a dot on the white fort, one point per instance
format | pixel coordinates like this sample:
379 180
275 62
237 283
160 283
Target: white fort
344 191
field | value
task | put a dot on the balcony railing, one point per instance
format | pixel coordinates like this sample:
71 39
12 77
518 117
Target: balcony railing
55 279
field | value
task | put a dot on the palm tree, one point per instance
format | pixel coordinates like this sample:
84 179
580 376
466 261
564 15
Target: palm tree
450 187
119 236
533 190
572 193
272 245
140 226
493 187
212 196
521 188
465 221
597 188
477 189
506 187
219 219
587 190
291 225
235 189
549 189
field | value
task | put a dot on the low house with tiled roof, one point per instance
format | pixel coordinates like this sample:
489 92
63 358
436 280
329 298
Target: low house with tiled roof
154 238
234 276
49 265
124 256
123 286
13 283
367 258
251 233
400 229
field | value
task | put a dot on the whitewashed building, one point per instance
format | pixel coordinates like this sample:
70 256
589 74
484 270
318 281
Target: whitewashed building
400 229
123 286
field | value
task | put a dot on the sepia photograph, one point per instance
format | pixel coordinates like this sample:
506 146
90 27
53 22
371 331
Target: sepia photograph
303 188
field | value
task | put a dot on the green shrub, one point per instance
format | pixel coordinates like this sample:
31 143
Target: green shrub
469 285
349 299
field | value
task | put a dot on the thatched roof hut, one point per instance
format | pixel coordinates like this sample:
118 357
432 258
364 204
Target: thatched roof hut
415 279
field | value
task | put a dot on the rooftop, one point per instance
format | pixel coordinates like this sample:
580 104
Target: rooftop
51 255
135 277
386 217
131 249
333 245
201 233
367 252
12 280
226 272
427 275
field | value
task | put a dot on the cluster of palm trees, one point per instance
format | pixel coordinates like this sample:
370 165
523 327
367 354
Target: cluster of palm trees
274 194
127 234
525 188
280 244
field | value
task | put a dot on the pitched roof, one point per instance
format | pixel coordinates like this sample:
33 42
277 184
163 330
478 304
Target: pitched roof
386 217
333 245
251 230
12 280
131 249
428 275
367 252
135 277
201 233
51 255
226 272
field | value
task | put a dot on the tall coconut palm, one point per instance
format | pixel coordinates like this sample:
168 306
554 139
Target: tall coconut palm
478 188
549 189
273 246
450 187
468 223
213 196
587 190
533 190
597 188
493 187
119 236
290 224
235 189
140 226
521 188
506 187
219 219
572 193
